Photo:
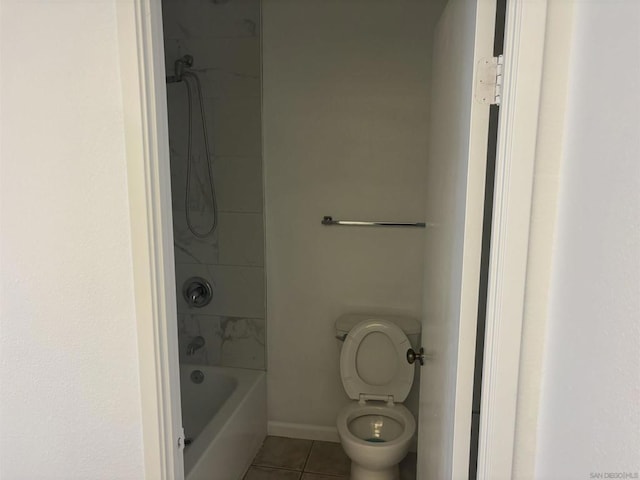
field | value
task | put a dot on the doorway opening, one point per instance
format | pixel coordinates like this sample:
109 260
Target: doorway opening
283 197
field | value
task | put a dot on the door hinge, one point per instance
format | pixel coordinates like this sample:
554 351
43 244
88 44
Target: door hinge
489 80
181 439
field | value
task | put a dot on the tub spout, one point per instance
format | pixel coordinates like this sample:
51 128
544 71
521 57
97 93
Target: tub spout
196 344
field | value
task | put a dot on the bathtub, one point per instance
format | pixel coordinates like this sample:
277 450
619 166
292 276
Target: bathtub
224 419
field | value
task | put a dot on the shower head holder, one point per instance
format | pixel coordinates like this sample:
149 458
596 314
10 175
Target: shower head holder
183 63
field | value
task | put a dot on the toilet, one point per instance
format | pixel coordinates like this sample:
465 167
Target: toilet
375 429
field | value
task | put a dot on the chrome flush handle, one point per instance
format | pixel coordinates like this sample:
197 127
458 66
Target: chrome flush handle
412 356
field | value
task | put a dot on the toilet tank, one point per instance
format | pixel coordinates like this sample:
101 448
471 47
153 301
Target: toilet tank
410 326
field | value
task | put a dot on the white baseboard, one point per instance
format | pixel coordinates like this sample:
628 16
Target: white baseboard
304 431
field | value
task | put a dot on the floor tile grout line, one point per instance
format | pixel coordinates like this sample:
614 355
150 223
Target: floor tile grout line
326 475
322 474
306 460
271 467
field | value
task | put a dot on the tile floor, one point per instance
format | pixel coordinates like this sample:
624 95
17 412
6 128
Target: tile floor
283 458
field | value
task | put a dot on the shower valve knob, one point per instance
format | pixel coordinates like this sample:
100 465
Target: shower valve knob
412 356
197 292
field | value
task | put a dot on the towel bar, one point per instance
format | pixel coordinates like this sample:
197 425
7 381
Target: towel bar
329 221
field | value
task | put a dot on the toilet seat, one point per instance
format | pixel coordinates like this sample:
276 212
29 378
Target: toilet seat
373 362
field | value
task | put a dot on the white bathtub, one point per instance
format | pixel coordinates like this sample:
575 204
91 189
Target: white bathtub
225 417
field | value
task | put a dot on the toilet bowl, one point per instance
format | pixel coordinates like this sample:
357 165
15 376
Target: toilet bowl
375 429
376 438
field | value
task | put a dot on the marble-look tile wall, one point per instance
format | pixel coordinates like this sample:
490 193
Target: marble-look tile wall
224 39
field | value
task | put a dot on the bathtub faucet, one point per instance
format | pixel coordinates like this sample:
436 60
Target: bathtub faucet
196 344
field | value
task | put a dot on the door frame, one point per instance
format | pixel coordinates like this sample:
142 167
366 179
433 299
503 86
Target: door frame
142 73
525 27
141 49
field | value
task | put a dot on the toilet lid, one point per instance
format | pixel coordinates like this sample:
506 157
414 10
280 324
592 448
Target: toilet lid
373 361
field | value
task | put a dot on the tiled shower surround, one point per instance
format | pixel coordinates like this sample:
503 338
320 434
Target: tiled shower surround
224 39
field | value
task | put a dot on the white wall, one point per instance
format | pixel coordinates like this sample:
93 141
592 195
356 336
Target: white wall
346 90
70 403
589 420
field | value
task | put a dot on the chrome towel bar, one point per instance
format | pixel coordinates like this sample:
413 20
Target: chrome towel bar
329 221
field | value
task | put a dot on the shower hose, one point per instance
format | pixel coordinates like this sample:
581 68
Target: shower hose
191 160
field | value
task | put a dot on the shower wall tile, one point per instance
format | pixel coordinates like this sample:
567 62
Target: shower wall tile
210 19
188 330
229 341
239 183
240 239
236 126
200 192
171 54
221 83
190 249
233 125
224 39
241 291
233 55
237 291
243 342
206 326
213 334
178 180
216 83
178 111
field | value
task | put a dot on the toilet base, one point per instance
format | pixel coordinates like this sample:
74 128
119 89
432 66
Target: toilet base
358 472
